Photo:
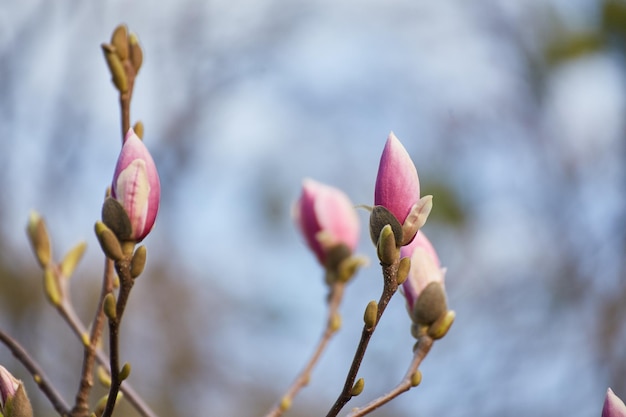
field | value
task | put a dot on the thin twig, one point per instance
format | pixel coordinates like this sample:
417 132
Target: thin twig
69 315
423 347
81 408
334 299
126 284
35 370
390 285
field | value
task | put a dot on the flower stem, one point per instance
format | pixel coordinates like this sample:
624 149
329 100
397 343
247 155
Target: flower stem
126 284
423 347
390 285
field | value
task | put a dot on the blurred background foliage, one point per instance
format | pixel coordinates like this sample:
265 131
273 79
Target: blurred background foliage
512 111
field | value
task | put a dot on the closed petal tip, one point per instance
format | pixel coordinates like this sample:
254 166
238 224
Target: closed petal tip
397 182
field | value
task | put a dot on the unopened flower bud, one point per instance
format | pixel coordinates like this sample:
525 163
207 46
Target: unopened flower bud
613 405
326 218
13 399
136 186
424 272
397 183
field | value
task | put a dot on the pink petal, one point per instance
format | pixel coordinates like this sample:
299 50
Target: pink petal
397 183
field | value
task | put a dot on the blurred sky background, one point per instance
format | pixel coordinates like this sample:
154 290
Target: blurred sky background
513 111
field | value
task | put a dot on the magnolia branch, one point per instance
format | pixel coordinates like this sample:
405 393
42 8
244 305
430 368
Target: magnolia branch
126 284
423 347
390 286
86 382
35 370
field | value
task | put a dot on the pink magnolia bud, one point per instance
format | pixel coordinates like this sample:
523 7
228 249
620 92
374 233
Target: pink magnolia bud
425 268
8 386
613 405
136 185
397 184
326 218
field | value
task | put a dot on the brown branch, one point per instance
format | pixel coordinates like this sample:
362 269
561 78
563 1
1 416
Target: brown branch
35 370
126 284
423 347
81 407
334 299
390 285
69 315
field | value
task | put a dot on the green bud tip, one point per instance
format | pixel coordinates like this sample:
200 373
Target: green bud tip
51 286
416 378
138 262
85 339
386 248
334 322
138 128
136 54
110 308
371 311
285 403
403 270
71 259
119 39
103 377
39 238
441 326
357 388
109 242
125 371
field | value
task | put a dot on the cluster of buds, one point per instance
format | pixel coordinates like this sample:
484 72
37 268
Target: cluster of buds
395 223
328 221
124 58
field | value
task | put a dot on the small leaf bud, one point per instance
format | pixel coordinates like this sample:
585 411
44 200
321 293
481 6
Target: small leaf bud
118 75
357 388
138 262
51 286
71 259
334 323
416 378
103 377
136 54
285 403
119 39
39 239
138 128
386 249
125 371
371 311
441 326
110 309
109 242
349 267
403 270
